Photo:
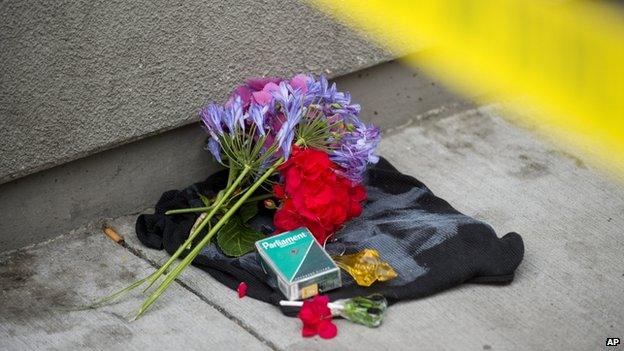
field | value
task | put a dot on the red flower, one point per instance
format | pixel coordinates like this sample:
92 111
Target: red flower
317 318
314 195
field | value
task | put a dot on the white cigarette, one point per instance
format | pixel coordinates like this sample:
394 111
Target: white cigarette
332 306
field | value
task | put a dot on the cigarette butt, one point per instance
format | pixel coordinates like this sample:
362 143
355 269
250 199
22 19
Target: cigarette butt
113 235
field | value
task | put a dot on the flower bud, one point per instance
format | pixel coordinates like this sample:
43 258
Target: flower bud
270 204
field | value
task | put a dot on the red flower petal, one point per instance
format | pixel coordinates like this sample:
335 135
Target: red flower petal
358 193
355 209
321 300
309 317
319 303
308 331
242 290
278 190
327 329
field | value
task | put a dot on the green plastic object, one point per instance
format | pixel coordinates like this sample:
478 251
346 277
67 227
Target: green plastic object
368 311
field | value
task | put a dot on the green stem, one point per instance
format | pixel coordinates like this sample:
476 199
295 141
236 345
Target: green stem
197 249
204 209
189 210
199 228
113 296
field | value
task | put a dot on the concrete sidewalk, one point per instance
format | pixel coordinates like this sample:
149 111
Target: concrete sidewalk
567 293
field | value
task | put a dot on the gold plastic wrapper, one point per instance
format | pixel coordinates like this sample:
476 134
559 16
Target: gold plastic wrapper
366 267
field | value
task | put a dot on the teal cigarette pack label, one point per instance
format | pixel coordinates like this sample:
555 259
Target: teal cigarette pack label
302 267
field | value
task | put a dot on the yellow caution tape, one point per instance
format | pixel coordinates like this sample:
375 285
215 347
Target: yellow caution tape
562 58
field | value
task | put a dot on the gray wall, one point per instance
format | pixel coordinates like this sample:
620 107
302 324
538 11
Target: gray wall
78 77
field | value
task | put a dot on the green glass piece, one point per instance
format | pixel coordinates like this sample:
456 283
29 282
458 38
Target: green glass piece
368 311
366 267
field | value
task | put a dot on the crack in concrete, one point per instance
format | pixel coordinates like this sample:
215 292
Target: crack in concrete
138 253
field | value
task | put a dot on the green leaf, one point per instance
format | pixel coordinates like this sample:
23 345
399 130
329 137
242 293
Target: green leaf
236 239
248 211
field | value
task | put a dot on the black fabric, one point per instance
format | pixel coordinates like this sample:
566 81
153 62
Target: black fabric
431 245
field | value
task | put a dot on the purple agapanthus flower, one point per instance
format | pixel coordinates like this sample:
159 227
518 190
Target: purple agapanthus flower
212 117
291 101
356 149
234 115
321 90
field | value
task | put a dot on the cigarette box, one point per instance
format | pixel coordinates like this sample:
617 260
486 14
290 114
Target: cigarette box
302 267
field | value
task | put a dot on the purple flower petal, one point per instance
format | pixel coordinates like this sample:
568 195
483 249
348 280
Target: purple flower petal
215 149
257 113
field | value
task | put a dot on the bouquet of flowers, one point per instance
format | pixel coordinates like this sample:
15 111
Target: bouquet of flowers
298 141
